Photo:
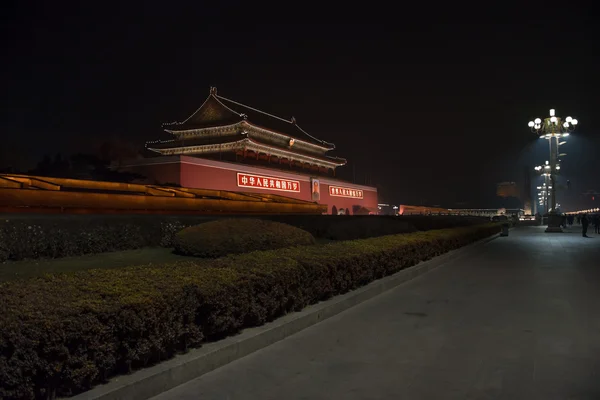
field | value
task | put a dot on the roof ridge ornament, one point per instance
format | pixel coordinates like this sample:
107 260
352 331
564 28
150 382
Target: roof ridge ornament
213 90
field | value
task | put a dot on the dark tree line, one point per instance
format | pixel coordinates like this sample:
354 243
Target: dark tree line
98 165
81 166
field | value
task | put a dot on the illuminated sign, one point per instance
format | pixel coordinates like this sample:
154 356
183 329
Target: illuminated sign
267 182
345 192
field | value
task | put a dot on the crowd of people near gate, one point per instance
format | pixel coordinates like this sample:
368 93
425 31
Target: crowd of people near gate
585 220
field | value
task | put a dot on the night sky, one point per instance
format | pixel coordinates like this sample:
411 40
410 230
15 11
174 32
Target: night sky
429 103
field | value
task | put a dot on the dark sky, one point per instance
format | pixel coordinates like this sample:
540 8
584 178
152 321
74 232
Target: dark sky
431 103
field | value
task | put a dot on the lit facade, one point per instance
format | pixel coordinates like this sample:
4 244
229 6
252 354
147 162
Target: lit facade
225 145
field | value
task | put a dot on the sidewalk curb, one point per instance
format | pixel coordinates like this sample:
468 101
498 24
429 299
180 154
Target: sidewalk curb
155 380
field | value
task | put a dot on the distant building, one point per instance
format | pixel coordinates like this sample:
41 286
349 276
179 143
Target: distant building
387 209
515 194
225 145
526 196
507 189
481 212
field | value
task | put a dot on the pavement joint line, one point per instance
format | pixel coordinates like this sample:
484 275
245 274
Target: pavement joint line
152 381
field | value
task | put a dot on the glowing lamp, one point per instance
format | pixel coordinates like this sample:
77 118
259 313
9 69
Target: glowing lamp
552 112
553 119
566 124
531 124
538 121
568 119
574 121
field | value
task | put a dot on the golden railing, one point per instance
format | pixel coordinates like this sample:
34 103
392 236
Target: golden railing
26 193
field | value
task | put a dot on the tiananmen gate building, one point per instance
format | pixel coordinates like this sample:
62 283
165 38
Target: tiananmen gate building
225 145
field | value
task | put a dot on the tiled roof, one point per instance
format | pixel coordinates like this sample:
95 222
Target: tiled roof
198 141
238 138
218 111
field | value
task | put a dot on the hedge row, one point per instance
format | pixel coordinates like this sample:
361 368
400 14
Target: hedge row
62 236
344 227
426 223
361 227
60 335
54 237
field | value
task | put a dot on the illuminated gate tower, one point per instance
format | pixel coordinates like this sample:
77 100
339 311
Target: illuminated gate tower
226 145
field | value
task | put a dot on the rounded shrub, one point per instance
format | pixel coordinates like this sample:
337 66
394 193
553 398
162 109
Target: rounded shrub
234 236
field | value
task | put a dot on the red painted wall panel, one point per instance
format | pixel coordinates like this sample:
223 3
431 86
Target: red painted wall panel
200 176
369 199
208 174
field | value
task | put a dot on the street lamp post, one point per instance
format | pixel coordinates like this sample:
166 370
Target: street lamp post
544 192
553 129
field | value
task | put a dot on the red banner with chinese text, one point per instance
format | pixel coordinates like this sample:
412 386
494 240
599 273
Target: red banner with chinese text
267 182
345 192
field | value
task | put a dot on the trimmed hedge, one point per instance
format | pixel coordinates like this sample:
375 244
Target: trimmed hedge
234 236
54 237
427 223
338 227
61 335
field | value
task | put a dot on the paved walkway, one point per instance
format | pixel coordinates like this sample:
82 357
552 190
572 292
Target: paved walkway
516 318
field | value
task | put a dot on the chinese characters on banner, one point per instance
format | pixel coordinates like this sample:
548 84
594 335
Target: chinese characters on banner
267 182
345 192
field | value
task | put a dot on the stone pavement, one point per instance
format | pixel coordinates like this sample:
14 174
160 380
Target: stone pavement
515 318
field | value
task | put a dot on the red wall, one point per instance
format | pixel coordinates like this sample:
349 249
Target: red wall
217 175
208 177
369 199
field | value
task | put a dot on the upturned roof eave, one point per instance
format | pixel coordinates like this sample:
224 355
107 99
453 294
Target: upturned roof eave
337 161
329 147
173 127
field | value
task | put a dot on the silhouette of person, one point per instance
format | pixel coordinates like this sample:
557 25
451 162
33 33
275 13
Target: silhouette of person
584 225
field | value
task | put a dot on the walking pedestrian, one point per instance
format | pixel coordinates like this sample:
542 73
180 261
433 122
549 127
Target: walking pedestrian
596 223
584 225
